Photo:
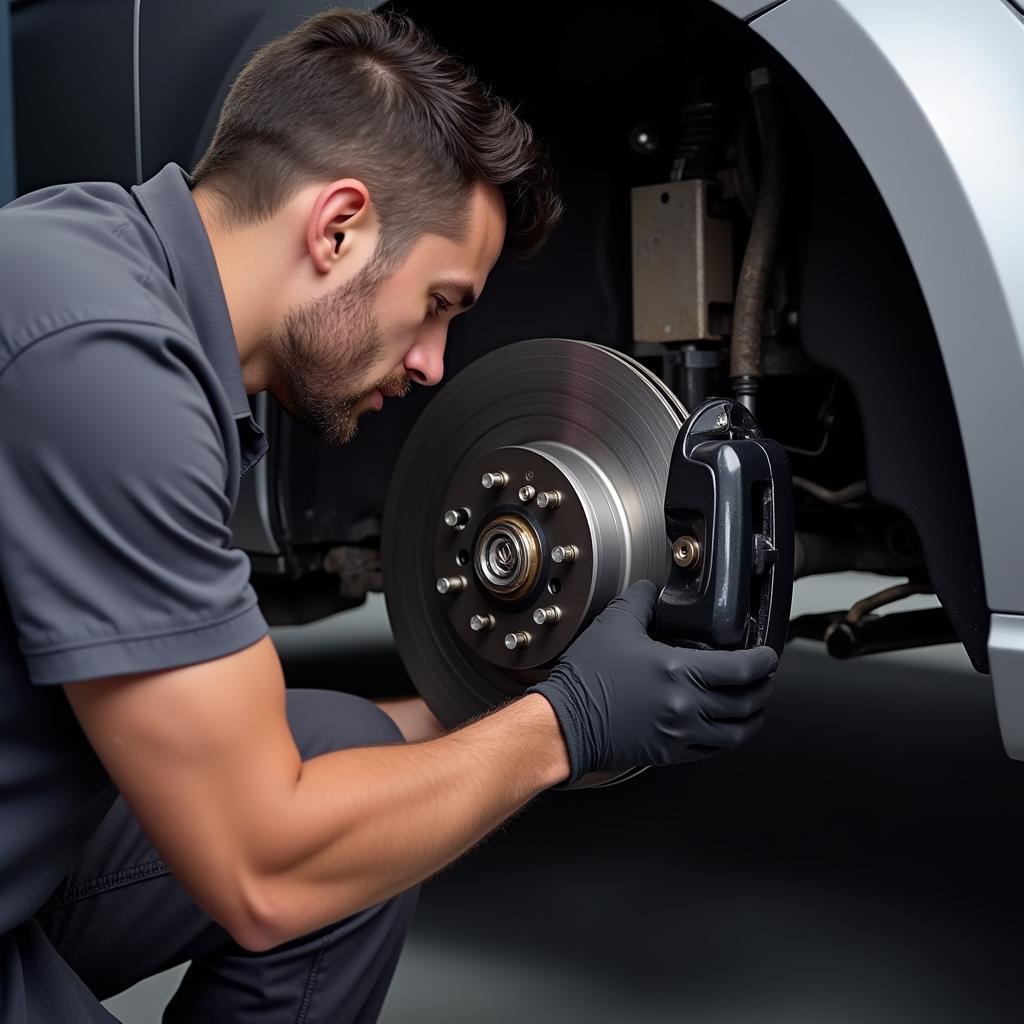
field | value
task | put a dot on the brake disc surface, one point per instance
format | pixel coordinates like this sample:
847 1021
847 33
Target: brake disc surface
530 493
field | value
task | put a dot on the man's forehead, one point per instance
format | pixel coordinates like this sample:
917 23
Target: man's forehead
462 264
484 232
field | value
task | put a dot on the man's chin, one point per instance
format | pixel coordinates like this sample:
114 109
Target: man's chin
346 423
338 426
340 432
333 431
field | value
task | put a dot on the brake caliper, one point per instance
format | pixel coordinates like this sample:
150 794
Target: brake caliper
729 518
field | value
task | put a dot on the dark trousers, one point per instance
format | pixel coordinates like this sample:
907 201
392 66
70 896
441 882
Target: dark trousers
120 916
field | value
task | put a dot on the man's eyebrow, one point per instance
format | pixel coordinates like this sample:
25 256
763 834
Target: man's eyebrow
465 291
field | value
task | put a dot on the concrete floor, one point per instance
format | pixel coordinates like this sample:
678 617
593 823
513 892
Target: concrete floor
860 861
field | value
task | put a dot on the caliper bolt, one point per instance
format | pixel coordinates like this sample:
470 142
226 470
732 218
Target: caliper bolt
564 553
456 518
451 584
481 623
547 616
515 641
526 493
686 553
549 499
494 481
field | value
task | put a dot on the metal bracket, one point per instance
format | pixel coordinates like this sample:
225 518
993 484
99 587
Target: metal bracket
729 497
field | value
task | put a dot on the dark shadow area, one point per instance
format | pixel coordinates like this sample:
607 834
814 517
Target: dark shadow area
859 861
368 672
352 652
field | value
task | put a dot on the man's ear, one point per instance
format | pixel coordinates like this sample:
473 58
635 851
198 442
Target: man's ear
342 220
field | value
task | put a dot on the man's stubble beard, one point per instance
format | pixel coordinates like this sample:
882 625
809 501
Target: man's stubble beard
325 345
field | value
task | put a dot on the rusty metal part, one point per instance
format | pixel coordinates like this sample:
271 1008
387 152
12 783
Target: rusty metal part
759 256
682 263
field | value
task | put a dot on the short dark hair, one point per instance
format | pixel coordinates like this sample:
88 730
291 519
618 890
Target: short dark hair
372 96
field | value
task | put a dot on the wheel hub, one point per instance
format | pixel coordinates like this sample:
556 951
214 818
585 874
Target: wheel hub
508 557
545 536
530 493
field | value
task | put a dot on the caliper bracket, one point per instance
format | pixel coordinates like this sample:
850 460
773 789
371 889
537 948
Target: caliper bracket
729 519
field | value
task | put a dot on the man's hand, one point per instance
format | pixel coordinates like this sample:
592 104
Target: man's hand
624 699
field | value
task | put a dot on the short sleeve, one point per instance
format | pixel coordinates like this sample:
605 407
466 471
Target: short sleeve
115 498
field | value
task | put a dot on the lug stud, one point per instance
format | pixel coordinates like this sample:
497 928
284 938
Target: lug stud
526 494
451 584
456 518
517 641
547 616
481 623
549 499
494 481
564 554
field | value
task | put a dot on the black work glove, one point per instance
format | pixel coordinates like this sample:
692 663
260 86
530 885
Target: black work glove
623 699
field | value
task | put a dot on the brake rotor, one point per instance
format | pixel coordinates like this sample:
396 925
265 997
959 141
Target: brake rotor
529 494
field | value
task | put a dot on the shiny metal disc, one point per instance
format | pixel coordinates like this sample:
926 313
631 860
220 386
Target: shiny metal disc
469 553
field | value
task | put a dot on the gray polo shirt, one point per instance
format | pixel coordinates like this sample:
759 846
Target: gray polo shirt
124 430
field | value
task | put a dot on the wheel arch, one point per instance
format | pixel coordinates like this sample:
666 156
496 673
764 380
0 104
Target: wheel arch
926 84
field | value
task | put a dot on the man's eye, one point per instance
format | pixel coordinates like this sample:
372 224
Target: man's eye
443 305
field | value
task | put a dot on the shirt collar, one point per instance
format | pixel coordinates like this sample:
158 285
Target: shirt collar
167 201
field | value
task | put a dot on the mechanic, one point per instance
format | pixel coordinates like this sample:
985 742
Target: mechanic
162 798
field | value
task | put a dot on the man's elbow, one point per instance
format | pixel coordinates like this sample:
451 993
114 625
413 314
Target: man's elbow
267 914
257 921
243 908
256 934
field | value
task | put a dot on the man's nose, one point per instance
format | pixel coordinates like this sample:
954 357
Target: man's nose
425 361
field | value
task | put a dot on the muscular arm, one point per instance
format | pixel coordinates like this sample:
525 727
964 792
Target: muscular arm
274 847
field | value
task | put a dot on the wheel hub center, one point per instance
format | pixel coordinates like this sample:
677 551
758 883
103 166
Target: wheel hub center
528 538
507 557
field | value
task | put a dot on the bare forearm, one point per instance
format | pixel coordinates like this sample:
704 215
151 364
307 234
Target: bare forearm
364 824
273 847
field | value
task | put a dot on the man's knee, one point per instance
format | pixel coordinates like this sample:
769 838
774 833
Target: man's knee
323 721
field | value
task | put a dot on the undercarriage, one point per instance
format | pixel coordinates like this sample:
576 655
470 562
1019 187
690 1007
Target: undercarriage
722 239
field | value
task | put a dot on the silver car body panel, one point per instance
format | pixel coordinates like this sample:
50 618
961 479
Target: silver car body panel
928 91
1006 654
748 9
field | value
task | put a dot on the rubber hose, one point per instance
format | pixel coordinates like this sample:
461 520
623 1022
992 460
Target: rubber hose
752 289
